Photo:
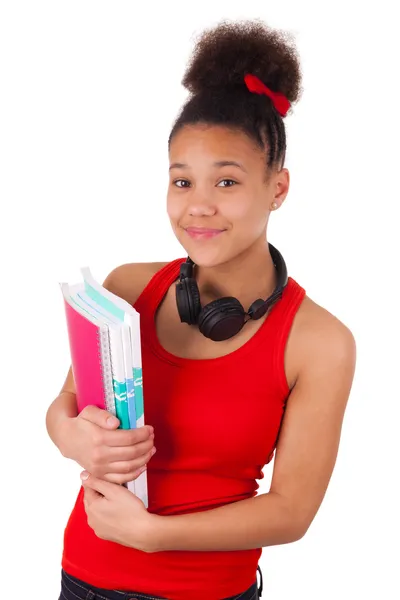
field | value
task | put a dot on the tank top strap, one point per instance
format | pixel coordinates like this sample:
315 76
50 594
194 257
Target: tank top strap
281 320
284 310
157 287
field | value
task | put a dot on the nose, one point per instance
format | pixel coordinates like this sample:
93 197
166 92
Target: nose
201 205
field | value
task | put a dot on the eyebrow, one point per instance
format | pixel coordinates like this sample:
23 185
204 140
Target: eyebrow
219 163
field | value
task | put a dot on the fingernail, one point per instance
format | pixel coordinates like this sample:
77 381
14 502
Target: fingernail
151 429
142 470
112 421
84 475
154 450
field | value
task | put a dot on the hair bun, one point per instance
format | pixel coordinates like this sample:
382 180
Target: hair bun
224 54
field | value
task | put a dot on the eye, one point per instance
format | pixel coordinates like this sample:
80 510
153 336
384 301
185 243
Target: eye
229 182
181 181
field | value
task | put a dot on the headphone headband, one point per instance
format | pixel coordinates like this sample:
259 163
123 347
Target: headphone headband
224 317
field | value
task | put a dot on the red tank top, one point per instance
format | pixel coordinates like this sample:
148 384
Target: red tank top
216 424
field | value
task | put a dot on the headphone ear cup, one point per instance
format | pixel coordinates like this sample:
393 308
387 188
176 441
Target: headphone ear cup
188 300
221 319
194 299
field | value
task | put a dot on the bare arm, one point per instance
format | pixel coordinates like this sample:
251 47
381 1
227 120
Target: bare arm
61 410
305 458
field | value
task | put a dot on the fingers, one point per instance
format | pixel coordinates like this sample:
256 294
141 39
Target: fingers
120 471
121 437
127 437
89 496
126 453
123 459
121 478
120 460
99 417
124 472
130 466
101 487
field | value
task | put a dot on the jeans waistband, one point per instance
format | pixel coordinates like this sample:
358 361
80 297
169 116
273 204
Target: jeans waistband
75 589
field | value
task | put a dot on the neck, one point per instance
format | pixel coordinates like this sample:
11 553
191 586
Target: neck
248 276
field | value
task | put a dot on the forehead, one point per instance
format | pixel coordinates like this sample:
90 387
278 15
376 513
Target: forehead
193 142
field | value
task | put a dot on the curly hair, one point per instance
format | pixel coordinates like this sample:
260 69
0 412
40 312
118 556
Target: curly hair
222 56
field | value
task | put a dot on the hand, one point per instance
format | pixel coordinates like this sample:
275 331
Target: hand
117 515
94 442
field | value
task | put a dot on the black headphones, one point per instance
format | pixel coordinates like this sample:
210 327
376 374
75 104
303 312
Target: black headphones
223 318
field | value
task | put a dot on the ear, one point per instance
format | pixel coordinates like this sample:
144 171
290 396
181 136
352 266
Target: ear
281 186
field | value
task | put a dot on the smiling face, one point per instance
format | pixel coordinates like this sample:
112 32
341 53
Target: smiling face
219 198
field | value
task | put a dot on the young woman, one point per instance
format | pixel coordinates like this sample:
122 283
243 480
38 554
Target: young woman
228 377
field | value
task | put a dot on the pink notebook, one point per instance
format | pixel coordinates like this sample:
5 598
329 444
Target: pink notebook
89 344
91 364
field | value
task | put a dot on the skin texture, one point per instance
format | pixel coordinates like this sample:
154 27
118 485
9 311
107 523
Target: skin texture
237 263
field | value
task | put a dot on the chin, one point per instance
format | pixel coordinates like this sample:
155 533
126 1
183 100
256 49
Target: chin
207 257
207 253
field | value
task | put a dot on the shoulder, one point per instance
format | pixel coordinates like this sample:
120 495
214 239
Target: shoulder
309 438
129 280
320 341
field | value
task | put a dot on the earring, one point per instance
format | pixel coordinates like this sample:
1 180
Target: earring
274 206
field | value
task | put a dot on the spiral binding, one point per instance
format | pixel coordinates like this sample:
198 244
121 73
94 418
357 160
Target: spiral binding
105 362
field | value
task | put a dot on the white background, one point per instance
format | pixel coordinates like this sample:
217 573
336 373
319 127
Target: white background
89 91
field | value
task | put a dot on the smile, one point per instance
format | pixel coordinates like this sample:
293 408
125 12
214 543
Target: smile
201 233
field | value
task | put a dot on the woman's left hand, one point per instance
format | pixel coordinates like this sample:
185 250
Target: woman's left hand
116 514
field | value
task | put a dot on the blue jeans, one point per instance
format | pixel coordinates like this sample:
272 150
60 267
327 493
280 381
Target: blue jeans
75 589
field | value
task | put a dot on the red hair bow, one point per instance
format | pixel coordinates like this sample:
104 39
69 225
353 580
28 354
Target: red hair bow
256 86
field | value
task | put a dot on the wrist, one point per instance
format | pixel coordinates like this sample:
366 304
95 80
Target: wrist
153 534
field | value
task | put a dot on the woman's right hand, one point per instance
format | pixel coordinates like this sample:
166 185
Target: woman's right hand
94 441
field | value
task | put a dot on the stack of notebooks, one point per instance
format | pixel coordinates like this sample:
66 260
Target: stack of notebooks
104 339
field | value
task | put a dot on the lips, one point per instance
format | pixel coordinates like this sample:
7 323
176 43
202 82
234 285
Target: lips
203 232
